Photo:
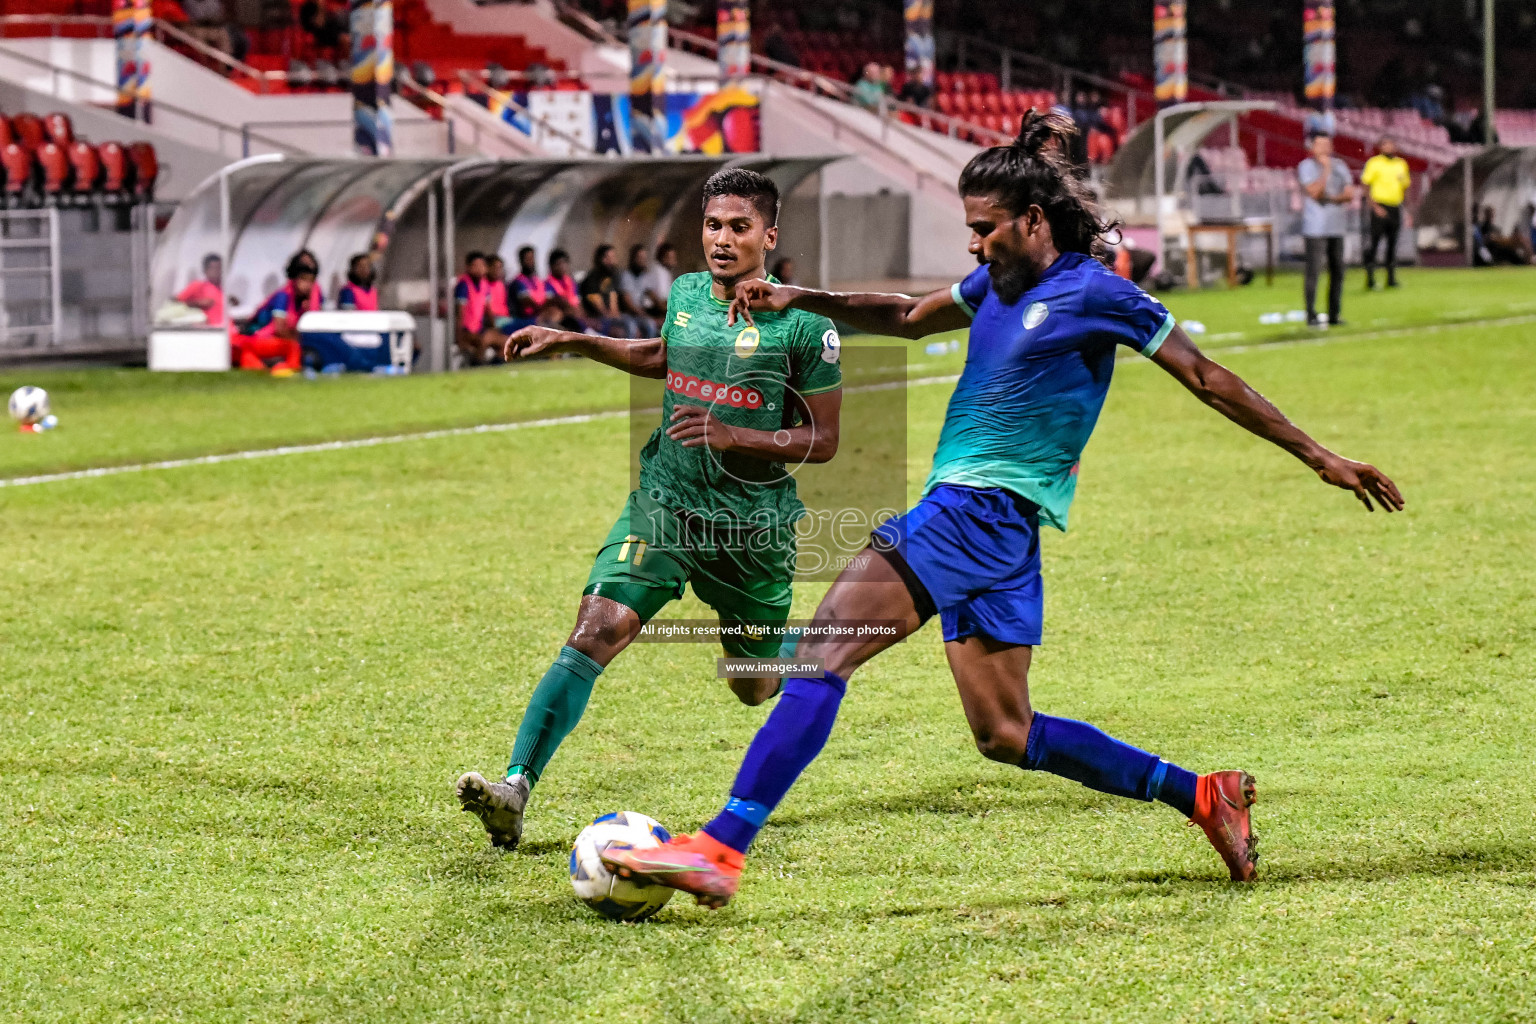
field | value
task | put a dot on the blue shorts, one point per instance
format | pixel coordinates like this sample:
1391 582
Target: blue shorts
973 556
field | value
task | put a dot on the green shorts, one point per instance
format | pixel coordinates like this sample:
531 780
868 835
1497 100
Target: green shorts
653 553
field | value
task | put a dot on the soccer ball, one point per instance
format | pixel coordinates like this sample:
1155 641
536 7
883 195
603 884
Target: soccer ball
29 405
604 891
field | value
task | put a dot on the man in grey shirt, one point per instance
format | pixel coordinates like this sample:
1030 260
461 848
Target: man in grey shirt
1327 190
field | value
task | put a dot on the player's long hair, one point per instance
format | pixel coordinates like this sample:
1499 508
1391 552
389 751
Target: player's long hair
1033 170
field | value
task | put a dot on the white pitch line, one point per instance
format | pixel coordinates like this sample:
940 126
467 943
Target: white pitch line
304 449
559 421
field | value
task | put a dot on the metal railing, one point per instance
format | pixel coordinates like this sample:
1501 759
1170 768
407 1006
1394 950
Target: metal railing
541 125
221 130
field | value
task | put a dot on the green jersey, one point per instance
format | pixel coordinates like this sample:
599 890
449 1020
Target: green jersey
746 376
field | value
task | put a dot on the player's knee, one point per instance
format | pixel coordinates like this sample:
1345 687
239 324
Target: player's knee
755 691
1004 741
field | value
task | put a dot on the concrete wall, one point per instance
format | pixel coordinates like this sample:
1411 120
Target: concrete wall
201 108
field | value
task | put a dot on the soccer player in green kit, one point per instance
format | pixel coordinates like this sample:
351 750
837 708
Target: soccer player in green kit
715 506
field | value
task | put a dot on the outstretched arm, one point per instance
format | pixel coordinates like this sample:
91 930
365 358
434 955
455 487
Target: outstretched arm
1224 391
877 312
643 357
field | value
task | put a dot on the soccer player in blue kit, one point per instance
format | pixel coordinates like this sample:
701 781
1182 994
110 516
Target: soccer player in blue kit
1046 317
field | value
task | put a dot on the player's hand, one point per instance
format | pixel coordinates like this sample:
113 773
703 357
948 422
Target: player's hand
757 294
531 341
1365 480
694 427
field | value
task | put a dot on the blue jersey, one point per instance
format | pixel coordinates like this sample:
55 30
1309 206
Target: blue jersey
1036 374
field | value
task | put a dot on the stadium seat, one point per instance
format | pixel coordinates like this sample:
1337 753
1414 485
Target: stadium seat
146 168
6 136
17 163
945 101
59 128
116 174
85 166
55 169
29 131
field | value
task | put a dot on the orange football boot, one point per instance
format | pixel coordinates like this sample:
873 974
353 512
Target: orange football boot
1222 800
700 865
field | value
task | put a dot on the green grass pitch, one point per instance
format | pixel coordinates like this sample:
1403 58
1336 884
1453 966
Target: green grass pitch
234 698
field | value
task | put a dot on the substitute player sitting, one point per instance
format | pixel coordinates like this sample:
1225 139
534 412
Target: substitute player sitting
1046 319
716 507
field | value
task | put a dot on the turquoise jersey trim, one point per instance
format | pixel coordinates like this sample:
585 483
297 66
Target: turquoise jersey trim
1158 338
954 293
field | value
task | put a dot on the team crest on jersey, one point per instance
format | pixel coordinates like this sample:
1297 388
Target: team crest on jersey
1035 315
681 320
747 341
831 347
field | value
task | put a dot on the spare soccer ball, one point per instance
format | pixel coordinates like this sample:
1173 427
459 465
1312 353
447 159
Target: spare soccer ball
599 888
28 405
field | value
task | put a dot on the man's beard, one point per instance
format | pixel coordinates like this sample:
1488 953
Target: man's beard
1011 281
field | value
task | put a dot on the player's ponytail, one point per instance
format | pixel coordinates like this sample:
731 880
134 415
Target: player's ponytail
1034 170
1045 133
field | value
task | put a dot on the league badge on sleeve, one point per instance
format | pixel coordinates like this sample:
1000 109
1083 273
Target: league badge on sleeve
831 347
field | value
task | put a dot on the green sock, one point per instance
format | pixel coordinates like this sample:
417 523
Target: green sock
555 708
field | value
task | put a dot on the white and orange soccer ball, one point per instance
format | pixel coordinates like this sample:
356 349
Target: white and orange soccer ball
601 889
29 405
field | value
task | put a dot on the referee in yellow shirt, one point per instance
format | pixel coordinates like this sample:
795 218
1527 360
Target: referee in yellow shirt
1386 176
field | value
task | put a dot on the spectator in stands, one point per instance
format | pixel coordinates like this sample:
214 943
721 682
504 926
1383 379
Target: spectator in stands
326 24
208 23
640 301
359 293
270 339
1386 179
778 47
1327 190
600 302
207 294
563 289
915 91
868 92
480 331
784 270
529 290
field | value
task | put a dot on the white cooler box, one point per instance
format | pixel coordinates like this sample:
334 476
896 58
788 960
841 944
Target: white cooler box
365 341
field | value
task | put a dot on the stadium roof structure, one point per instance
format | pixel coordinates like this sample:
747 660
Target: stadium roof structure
421 216
1503 177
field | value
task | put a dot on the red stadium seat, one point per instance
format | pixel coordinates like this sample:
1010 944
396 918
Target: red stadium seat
965 104
943 82
86 166
60 130
146 168
945 102
992 102
55 167
117 172
6 136
29 131
17 163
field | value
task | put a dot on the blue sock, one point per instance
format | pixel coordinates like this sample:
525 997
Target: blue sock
1082 753
789 741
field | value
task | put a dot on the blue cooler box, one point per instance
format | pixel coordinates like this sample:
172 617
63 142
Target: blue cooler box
358 340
